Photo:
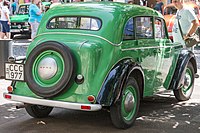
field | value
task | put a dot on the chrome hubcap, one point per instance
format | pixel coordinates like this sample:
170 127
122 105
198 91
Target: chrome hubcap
47 68
186 81
129 102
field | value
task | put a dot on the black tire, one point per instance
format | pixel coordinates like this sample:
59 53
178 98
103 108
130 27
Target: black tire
62 82
186 87
38 111
123 117
29 35
12 36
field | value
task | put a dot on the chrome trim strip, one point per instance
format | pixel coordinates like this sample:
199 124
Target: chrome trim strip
82 35
52 103
143 48
39 41
20 44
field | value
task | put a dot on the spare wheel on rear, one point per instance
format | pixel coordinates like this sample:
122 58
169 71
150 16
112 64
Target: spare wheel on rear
49 69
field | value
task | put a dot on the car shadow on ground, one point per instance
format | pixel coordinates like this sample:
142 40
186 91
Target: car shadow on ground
157 114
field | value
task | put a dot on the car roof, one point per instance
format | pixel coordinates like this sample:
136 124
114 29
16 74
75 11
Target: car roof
114 15
90 8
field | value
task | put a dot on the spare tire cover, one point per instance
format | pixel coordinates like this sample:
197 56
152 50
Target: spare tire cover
49 69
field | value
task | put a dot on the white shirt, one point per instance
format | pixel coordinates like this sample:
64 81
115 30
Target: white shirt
185 17
1 4
3 11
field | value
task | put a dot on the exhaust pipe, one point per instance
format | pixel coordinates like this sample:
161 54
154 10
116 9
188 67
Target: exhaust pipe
20 106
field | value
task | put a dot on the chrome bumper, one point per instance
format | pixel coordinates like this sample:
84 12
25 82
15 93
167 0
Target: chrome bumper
19 30
52 103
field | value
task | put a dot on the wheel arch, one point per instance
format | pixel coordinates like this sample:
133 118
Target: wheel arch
113 85
184 57
194 63
138 74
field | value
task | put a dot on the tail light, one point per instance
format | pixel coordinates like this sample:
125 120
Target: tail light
7 96
91 98
83 107
10 89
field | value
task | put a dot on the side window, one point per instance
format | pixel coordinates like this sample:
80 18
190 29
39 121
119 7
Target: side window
159 28
129 30
144 27
89 23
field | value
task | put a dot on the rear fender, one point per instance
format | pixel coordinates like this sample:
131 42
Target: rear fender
184 57
113 85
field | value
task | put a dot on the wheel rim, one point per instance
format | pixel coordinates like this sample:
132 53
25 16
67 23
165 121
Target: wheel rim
129 103
51 78
186 86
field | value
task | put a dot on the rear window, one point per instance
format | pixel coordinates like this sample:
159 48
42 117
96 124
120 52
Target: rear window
85 23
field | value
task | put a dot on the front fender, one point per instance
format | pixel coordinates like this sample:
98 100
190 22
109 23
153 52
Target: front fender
184 57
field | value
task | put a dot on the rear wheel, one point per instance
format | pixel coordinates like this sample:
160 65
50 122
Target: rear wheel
123 113
38 111
185 89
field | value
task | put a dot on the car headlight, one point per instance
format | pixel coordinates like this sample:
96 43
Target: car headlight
19 26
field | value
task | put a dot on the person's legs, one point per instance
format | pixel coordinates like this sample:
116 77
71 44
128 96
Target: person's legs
3 29
7 30
8 35
2 35
34 27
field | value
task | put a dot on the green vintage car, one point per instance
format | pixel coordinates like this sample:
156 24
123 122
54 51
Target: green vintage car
19 22
90 56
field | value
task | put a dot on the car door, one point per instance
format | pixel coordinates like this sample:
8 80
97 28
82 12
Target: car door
140 43
149 53
167 52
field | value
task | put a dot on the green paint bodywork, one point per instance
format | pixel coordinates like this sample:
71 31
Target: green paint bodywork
97 52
